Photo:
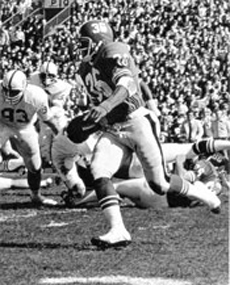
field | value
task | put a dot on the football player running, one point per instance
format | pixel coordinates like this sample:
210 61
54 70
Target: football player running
21 104
111 79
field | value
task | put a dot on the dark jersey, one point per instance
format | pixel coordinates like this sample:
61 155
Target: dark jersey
112 62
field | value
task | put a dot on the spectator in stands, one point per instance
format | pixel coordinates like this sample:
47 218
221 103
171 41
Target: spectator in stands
220 125
17 37
181 106
206 120
4 39
192 127
181 47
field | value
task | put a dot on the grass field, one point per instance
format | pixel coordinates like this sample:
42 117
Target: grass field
177 246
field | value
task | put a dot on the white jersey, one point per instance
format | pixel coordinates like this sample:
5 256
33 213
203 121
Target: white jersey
58 91
33 102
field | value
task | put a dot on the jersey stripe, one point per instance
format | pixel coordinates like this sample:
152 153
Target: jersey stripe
12 76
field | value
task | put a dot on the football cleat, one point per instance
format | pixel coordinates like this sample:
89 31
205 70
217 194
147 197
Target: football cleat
115 238
216 210
105 244
68 199
73 196
39 200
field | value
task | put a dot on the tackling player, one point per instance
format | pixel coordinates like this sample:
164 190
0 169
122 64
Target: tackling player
20 106
111 79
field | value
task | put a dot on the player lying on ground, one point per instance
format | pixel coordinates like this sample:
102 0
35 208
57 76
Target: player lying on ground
203 174
11 160
71 161
20 183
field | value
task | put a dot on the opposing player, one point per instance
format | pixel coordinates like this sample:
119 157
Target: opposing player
58 92
21 104
47 78
111 79
11 160
72 162
20 183
201 172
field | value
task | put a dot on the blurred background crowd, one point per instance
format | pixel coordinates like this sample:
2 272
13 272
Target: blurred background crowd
182 48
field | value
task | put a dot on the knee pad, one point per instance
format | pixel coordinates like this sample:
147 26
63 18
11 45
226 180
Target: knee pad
106 193
34 179
204 147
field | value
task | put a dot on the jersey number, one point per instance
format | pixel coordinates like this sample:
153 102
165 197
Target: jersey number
18 116
96 86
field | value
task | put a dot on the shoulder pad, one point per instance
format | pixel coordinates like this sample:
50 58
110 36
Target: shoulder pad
35 79
35 93
59 88
110 50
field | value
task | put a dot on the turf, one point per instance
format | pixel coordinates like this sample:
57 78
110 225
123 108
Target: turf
179 246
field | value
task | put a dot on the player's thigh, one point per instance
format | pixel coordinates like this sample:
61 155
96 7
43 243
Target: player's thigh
149 153
172 150
27 144
107 156
5 134
62 148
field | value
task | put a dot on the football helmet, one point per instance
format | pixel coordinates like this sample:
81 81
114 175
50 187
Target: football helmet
48 73
200 168
13 86
91 35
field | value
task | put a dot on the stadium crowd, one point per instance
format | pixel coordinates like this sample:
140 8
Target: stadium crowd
181 47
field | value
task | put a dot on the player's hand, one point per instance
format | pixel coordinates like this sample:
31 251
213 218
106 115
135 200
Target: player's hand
95 114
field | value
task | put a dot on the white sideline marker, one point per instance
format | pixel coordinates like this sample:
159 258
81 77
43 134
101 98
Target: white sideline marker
119 279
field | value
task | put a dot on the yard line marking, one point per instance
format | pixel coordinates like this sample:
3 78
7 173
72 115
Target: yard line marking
33 213
53 224
119 279
16 217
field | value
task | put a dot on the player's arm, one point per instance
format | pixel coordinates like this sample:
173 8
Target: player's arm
148 98
8 150
46 115
125 86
